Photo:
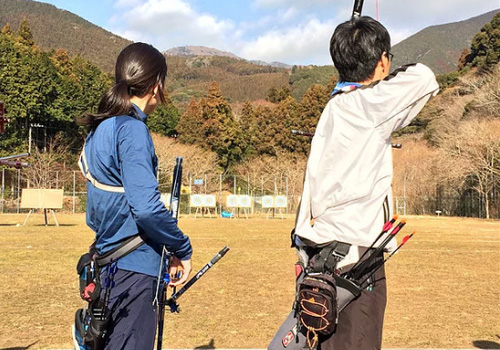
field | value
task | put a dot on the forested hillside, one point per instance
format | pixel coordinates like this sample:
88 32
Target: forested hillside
239 80
452 162
58 29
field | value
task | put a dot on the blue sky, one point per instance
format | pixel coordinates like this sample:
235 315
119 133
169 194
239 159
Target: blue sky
290 31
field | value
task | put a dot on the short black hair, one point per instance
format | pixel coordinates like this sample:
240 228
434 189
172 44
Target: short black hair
356 47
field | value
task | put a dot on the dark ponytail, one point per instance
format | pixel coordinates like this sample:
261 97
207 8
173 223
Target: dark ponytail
139 69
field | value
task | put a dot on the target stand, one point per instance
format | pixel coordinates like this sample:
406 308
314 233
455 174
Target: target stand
209 203
268 204
245 203
274 205
203 204
43 199
238 203
280 203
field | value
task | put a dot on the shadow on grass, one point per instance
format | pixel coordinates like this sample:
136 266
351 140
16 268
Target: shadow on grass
486 344
20 347
210 345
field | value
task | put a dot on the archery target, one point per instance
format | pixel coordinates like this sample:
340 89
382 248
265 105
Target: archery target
267 202
232 201
209 201
196 200
245 201
280 201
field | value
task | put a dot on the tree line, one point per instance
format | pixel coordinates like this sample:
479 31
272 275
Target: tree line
51 89
261 129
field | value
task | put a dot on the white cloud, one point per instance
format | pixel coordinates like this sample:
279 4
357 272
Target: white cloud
289 3
291 31
127 3
169 23
307 42
398 35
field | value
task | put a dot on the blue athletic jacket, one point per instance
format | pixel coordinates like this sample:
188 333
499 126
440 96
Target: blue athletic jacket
120 152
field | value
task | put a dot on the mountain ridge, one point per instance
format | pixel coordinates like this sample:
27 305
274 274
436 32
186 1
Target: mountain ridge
54 28
193 51
440 46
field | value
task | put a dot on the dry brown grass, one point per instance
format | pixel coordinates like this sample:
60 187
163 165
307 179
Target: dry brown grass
443 287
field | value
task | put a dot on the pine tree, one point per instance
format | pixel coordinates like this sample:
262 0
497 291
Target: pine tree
284 120
164 119
24 34
7 30
221 131
190 125
311 106
485 48
264 132
62 61
248 124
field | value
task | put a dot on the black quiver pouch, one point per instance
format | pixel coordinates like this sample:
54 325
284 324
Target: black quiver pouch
317 298
91 323
88 272
317 292
92 326
323 293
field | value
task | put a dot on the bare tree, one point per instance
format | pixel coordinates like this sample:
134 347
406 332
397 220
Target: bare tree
474 148
416 175
282 167
48 169
196 161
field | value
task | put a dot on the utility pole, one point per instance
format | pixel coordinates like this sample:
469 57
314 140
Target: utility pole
29 134
3 120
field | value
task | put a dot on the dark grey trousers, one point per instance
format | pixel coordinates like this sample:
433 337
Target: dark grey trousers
360 323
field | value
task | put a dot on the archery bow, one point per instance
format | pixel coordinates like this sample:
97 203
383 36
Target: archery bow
174 211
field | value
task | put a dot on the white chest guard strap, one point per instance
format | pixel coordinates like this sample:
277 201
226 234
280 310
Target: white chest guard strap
82 164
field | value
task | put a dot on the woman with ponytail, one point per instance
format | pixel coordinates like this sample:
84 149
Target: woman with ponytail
123 199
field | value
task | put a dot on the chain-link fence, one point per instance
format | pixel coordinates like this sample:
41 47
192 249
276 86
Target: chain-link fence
222 186
469 204
13 181
219 185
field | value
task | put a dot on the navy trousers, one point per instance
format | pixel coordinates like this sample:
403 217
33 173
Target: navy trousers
133 316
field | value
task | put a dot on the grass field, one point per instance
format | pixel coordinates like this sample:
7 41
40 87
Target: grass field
444 286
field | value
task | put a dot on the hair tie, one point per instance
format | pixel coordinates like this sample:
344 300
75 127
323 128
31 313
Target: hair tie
124 83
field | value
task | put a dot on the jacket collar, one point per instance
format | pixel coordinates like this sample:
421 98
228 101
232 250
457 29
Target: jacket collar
139 114
345 86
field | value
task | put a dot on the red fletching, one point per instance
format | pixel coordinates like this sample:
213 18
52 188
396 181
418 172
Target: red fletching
388 224
398 227
396 230
298 270
407 238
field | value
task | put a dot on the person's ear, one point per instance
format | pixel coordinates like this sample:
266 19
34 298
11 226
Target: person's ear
385 62
155 90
